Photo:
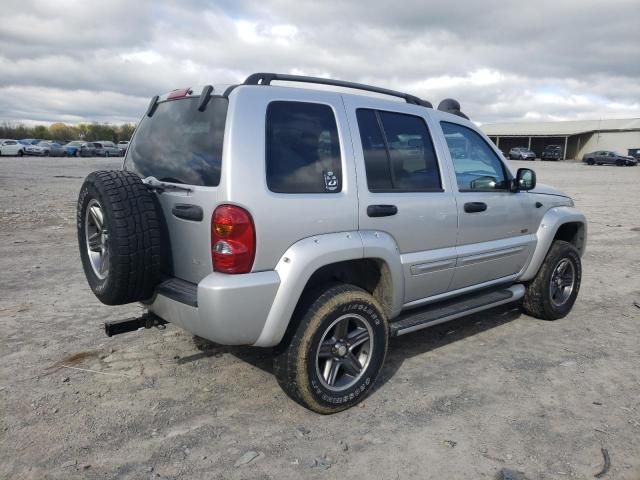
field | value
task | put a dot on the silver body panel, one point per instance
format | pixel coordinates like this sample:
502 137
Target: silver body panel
432 248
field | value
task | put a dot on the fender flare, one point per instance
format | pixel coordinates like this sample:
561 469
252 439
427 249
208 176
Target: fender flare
305 257
552 220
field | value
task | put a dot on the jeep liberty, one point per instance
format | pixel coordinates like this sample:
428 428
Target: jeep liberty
321 223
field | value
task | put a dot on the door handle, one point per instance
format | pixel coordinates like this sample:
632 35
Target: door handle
381 210
187 212
472 207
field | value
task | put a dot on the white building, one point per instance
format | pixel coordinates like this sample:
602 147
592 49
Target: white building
575 137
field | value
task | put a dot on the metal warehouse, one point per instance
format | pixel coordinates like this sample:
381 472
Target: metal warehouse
575 137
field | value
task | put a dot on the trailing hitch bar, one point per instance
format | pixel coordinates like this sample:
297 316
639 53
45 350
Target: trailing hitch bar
146 320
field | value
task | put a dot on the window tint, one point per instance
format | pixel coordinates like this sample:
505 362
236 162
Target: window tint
179 143
398 152
302 148
477 166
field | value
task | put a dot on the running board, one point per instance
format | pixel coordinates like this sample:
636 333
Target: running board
451 309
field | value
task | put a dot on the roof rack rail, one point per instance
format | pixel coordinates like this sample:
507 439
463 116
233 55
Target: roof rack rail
267 78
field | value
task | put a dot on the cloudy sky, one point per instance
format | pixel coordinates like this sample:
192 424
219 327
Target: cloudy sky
72 61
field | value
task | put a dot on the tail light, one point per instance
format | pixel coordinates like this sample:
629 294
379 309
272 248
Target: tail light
233 240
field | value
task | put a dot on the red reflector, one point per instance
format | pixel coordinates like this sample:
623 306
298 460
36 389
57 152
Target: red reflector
179 93
233 240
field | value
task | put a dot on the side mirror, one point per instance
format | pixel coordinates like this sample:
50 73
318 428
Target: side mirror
525 180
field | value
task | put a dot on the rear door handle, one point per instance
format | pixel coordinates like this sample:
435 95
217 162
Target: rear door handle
472 207
187 212
381 210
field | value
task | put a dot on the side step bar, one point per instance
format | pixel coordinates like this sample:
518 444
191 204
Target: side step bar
146 320
449 310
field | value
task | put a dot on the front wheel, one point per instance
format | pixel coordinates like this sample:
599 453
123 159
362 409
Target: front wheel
553 291
330 360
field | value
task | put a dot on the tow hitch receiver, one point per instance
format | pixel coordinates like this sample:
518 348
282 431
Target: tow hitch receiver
146 320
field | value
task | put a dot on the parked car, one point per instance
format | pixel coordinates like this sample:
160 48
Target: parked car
607 157
551 152
11 147
521 153
105 148
88 149
123 145
72 149
30 141
634 152
321 223
45 149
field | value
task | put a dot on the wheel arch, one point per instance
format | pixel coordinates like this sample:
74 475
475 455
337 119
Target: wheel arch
559 223
347 257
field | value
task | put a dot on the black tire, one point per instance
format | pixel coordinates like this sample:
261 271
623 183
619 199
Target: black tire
46 153
20 153
106 154
538 300
590 161
619 163
132 218
296 363
77 154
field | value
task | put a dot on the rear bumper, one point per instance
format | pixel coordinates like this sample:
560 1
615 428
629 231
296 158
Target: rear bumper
226 309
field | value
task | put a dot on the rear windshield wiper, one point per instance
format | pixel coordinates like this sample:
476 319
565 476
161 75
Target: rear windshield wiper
157 186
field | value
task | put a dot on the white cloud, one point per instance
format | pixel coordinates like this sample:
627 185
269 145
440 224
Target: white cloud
502 60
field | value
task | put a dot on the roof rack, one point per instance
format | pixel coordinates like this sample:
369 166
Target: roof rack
267 78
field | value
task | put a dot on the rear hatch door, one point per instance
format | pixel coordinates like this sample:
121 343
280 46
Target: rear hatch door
179 150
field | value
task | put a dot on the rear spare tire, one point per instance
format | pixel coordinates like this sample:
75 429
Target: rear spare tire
120 236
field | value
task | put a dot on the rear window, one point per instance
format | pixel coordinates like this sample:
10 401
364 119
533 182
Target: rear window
180 144
302 148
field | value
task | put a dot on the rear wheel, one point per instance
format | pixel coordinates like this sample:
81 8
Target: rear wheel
553 291
590 161
330 359
119 235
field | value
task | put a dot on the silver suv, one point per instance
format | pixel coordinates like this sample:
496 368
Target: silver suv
321 223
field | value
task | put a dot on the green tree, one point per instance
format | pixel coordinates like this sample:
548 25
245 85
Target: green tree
62 132
40 131
125 131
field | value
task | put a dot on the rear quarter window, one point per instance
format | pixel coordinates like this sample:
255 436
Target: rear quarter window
302 148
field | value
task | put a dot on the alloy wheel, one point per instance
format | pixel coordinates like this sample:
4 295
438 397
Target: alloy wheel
562 282
344 352
97 239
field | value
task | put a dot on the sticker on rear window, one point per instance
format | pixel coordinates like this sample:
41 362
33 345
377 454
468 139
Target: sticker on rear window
330 181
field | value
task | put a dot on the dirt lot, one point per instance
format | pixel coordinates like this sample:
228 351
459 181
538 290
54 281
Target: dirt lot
466 399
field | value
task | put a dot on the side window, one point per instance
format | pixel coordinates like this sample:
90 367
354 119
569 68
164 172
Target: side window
302 148
477 166
398 152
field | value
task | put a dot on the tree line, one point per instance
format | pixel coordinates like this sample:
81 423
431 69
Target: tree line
62 132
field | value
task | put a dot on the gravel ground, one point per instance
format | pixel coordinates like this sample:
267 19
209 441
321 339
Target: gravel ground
481 397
